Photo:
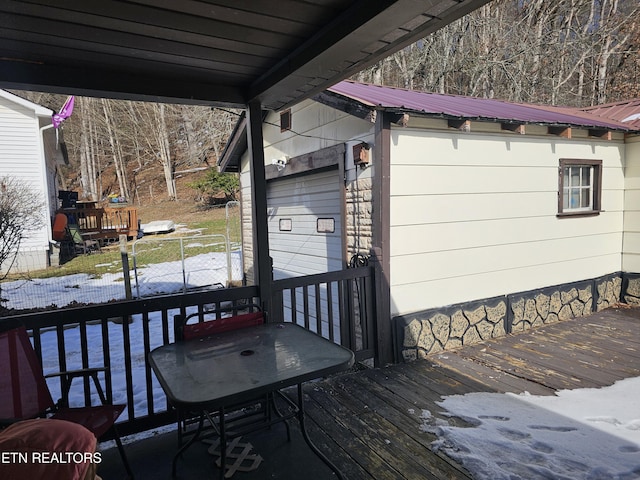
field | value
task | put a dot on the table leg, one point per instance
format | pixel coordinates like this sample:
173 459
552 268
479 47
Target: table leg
186 445
271 398
223 444
305 435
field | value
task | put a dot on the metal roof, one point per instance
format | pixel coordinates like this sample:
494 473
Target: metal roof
627 112
454 106
218 52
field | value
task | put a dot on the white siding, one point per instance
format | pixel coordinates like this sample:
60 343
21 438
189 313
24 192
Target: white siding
474 216
314 126
21 156
631 242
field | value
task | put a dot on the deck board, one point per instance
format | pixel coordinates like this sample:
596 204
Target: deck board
593 351
369 421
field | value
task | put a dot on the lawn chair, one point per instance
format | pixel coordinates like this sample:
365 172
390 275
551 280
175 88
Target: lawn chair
24 393
81 243
72 241
245 417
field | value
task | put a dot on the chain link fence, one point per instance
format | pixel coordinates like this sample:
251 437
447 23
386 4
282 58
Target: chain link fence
159 265
94 278
167 265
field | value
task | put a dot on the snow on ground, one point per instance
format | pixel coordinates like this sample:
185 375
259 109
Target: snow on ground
162 278
200 270
590 434
117 357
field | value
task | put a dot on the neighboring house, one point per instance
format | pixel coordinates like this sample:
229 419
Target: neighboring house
627 112
31 149
486 217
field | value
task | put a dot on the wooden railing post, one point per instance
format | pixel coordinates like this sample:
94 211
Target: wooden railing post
382 321
276 312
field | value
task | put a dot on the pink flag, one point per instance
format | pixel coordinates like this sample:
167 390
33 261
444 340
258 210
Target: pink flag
65 112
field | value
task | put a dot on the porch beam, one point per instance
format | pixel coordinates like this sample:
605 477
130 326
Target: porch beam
382 237
262 261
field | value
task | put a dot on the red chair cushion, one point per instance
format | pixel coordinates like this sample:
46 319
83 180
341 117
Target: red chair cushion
96 419
220 325
34 438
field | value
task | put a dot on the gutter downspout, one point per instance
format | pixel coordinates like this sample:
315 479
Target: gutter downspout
45 184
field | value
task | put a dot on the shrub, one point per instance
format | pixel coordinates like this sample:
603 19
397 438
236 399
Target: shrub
214 184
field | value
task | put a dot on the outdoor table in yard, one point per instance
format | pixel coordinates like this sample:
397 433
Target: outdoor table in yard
223 370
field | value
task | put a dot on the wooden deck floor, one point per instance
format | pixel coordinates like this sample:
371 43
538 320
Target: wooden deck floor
369 421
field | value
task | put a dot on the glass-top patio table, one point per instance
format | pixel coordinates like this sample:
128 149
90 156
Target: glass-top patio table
210 374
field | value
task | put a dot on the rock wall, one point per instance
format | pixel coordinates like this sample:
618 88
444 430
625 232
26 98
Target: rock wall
436 330
358 213
432 331
631 283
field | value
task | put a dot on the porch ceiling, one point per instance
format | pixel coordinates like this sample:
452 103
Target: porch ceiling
217 52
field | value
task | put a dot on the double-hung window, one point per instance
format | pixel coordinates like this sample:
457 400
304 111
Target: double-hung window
580 187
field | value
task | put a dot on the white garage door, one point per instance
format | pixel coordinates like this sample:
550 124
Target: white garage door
304 224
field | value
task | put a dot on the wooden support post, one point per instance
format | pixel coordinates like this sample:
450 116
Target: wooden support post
262 260
381 239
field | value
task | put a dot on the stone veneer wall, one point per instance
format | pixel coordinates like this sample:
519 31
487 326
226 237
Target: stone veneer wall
447 328
631 288
358 213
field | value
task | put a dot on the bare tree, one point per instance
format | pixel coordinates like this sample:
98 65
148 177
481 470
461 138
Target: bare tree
158 144
116 150
88 175
21 211
560 52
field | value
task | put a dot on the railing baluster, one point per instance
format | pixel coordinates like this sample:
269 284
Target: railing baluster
165 327
62 357
305 302
318 309
84 354
147 367
106 358
294 303
159 311
37 343
126 344
330 310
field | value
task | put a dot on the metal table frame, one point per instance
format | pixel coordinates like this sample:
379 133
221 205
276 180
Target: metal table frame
213 374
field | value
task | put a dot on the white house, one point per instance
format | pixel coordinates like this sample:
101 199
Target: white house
30 150
486 216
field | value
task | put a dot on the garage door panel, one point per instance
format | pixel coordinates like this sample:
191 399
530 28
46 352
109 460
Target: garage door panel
300 226
296 246
310 245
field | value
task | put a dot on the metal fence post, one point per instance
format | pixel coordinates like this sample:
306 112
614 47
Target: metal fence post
125 266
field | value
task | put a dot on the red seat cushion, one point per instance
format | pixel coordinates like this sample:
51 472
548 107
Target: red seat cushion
31 439
220 325
96 419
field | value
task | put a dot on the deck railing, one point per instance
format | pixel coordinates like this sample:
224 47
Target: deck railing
120 335
105 224
339 305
